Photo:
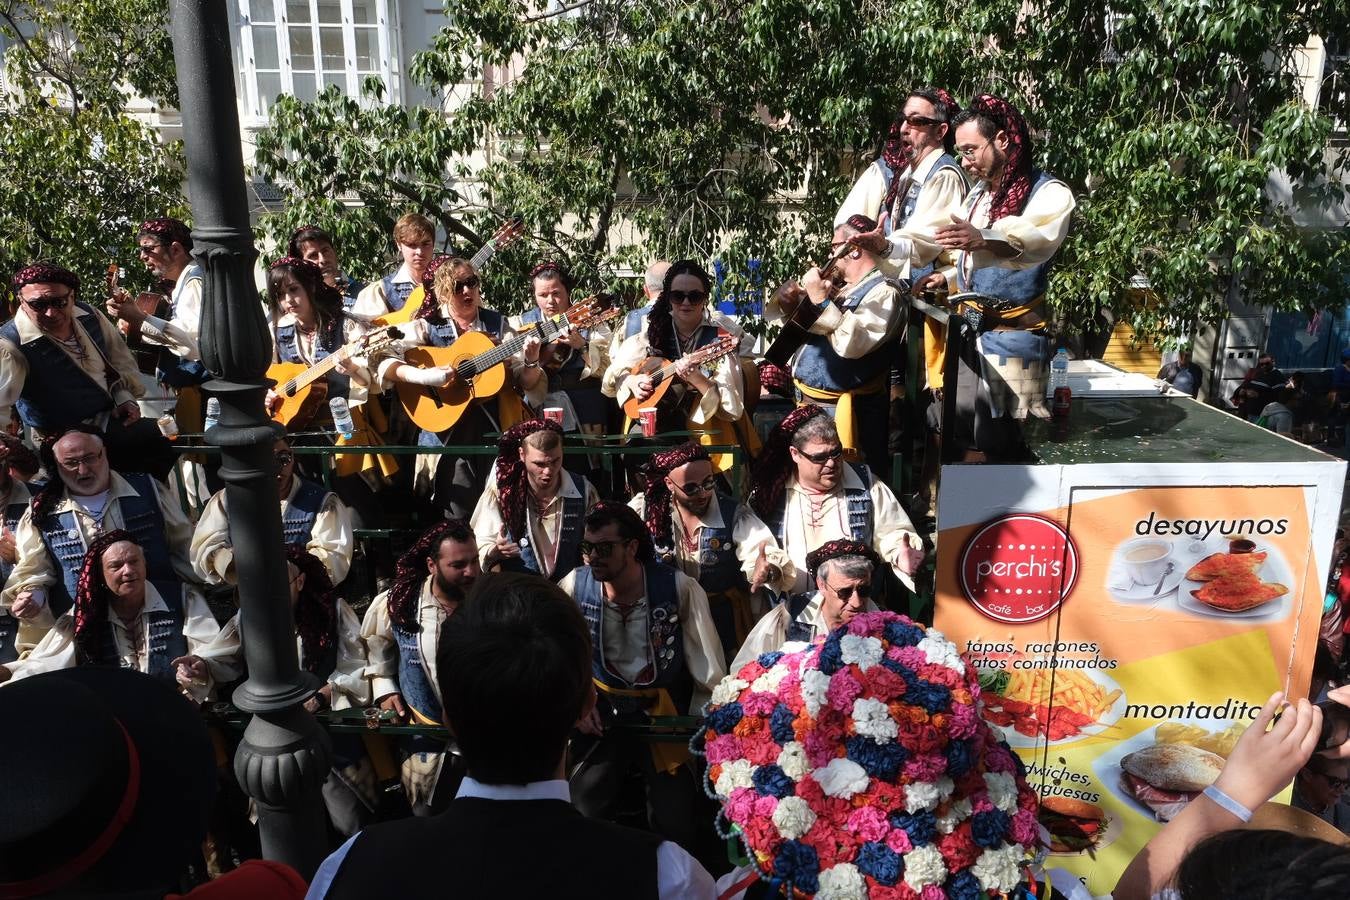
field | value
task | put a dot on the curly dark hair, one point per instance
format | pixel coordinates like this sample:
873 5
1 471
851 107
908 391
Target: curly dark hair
315 608
631 527
512 485
770 475
91 596
326 299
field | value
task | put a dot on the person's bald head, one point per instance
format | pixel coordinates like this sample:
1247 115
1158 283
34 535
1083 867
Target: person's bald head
655 278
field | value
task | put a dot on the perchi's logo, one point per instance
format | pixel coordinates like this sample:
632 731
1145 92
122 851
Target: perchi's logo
1018 568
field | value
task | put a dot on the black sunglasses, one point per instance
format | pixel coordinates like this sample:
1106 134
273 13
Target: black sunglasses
694 297
694 488
846 593
471 282
48 303
921 121
823 457
598 549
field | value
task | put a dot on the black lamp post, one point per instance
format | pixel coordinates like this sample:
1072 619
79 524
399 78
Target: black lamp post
284 756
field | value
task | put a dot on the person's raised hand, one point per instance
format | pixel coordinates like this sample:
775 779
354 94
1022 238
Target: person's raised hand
26 605
1264 761
931 281
873 241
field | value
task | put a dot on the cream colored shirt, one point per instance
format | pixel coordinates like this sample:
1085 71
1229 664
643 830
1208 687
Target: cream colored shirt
14 365
370 303
35 570
182 332
224 656
377 630
1036 234
811 520
748 533
725 400
331 540
627 649
487 520
770 632
57 650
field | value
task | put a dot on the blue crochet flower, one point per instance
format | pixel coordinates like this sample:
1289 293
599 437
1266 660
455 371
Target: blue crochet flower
773 781
780 724
901 634
964 886
797 864
961 756
882 761
831 656
881 862
920 826
989 827
897 667
932 697
767 660
724 718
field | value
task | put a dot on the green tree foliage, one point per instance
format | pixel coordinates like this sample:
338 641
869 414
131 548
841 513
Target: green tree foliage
732 131
77 174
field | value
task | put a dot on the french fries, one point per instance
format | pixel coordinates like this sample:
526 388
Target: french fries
1072 689
1219 742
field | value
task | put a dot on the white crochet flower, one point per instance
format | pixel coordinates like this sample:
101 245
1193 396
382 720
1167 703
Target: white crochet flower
736 774
872 718
842 778
727 690
861 649
997 870
937 649
956 813
926 795
842 882
814 685
793 817
923 866
792 760
769 681
1002 790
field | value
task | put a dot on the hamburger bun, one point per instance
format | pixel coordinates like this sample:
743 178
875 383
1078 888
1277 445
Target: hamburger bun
1068 806
1174 767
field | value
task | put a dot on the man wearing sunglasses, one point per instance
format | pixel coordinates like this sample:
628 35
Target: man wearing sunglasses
312 518
713 538
61 363
841 572
655 653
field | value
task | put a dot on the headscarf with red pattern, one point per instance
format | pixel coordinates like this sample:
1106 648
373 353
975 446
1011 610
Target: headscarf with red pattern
91 596
769 476
167 230
431 306
657 495
411 570
550 268
513 487
837 550
1015 187
45 273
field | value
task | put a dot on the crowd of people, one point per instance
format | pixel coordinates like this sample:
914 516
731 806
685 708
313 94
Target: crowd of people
541 608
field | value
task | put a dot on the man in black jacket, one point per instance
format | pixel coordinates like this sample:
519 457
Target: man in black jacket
515 670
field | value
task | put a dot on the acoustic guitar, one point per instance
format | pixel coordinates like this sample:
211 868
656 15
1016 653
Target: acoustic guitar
148 302
506 234
302 390
480 365
662 371
799 313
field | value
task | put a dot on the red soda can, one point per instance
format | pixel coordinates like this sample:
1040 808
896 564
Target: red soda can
1059 408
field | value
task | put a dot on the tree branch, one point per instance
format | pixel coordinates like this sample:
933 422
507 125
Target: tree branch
43 66
600 235
561 11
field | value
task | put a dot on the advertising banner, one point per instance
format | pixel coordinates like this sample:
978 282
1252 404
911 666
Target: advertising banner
1128 624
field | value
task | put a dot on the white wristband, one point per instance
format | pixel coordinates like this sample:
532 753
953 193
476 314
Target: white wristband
1228 803
430 377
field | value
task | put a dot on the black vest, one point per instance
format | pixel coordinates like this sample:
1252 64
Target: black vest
475 849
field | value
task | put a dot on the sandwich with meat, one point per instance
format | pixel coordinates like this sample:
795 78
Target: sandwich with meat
1073 825
1166 777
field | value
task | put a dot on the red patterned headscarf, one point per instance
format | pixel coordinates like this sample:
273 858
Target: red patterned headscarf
1015 188
91 595
657 494
837 550
411 570
315 608
45 273
431 304
167 230
512 486
774 466
551 268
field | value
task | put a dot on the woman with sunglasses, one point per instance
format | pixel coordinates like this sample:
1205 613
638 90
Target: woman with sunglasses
708 400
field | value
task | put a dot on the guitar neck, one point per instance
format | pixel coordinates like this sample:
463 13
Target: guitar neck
321 368
484 254
547 331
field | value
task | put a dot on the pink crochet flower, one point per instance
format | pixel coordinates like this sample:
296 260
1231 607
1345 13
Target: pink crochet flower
843 690
758 704
898 841
932 892
909 657
740 806
868 823
1024 827
925 767
722 748
964 722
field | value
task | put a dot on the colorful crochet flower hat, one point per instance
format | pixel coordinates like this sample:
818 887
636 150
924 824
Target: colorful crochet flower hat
859 767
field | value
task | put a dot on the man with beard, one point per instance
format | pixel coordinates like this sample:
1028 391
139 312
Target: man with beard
842 573
714 539
529 519
655 653
312 243
312 518
87 499
17 465
1002 246
402 628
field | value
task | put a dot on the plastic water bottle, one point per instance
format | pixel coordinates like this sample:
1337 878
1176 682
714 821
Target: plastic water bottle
1059 370
212 414
342 417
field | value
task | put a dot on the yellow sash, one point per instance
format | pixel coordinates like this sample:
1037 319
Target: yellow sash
370 422
510 411
935 338
665 756
845 419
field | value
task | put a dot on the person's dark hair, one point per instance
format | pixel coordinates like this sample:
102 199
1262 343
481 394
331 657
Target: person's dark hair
944 107
326 300
411 569
660 324
630 525
1256 864
44 501
514 664
315 608
303 235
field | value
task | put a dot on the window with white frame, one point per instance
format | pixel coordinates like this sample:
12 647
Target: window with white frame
301 46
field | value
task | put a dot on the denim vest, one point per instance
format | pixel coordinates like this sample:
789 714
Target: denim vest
140 515
288 351
569 536
351 289
636 320
1019 286
171 368
904 206
666 636
297 524
859 503
718 568
442 332
576 360
165 641
396 295
820 367
418 693
57 392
